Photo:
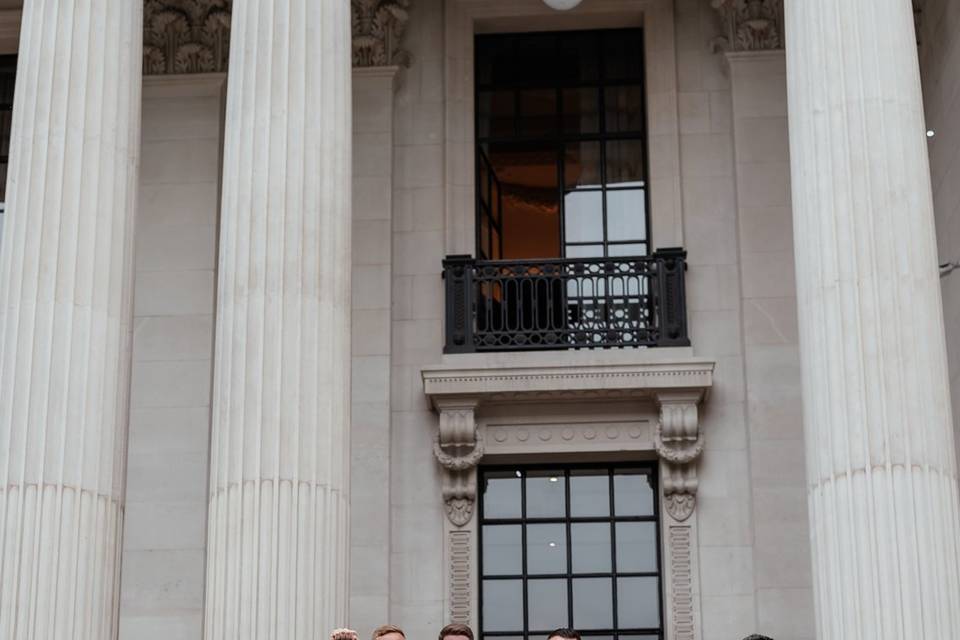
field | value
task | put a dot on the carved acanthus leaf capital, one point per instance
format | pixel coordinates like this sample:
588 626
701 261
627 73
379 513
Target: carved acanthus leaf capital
751 25
378 28
186 36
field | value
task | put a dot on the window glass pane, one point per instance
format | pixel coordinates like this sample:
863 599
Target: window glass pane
546 548
578 59
622 55
626 215
583 216
534 59
501 495
546 494
503 605
590 547
636 547
547 604
638 603
628 250
497 113
528 177
625 163
593 603
585 251
589 493
581 109
538 112
632 493
581 165
484 235
502 550
623 109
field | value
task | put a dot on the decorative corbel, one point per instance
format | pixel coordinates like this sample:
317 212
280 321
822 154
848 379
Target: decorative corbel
679 444
458 448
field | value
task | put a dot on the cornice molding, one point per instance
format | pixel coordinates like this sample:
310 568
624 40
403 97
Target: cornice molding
751 25
510 384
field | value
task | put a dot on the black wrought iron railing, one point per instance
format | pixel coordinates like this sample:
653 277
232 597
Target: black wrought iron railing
592 303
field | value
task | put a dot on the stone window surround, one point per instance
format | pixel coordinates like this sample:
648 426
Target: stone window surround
490 408
464 18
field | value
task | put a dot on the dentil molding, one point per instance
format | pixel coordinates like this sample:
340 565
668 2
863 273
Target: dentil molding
193 36
751 25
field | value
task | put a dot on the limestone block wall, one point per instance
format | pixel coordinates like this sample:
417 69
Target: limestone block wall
940 74
165 531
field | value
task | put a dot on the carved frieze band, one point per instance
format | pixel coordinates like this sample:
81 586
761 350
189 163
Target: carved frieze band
681 583
193 36
460 576
458 448
751 25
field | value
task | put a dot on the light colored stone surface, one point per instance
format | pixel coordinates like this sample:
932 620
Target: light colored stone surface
373 99
781 553
940 71
880 447
278 526
167 462
66 294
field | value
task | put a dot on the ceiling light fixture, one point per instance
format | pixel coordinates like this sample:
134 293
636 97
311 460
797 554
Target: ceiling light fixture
562 5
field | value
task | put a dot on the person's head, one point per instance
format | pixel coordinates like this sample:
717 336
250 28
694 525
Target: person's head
456 632
564 634
389 632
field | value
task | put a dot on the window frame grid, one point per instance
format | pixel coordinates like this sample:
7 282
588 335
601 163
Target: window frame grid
567 470
559 139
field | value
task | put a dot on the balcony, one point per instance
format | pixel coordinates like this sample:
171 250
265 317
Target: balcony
587 303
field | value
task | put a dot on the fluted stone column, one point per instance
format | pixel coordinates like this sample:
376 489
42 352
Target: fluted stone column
881 467
277 549
65 317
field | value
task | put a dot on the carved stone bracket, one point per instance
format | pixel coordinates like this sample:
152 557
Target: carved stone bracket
186 36
679 444
378 27
458 448
751 25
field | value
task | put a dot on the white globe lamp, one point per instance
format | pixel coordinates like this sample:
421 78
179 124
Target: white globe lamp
562 5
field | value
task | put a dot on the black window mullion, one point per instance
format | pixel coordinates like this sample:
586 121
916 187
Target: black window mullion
613 552
523 553
566 499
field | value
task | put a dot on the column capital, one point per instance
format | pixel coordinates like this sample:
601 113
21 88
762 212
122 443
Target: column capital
193 36
186 36
750 25
378 28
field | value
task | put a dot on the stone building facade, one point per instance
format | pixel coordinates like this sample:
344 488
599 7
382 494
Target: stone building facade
264 370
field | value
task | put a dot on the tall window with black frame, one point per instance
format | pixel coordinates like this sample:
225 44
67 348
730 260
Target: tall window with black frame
570 546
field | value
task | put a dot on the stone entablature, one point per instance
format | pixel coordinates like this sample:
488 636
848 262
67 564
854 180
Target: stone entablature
501 405
193 36
676 388
751 25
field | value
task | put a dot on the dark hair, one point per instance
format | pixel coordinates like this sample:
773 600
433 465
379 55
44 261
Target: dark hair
456 630
562 632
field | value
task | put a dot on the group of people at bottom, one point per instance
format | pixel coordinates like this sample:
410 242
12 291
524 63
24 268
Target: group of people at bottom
449 632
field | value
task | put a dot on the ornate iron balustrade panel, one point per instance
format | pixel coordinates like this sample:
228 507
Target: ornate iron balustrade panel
522 305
